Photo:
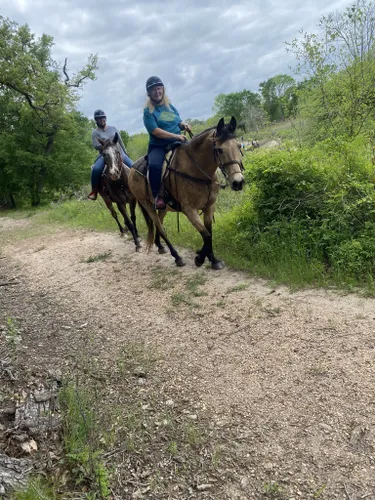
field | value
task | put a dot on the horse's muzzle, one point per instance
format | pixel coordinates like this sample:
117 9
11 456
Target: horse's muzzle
237 185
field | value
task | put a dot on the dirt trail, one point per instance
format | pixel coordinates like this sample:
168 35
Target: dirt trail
291 373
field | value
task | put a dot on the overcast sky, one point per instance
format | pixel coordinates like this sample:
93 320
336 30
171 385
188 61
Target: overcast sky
199 48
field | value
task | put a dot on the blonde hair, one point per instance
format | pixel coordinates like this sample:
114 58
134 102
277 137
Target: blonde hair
151 106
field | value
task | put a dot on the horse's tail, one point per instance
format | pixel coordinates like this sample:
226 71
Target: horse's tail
150 227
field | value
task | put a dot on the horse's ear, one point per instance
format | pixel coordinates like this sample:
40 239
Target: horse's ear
220 126
101 141
233 124
115 139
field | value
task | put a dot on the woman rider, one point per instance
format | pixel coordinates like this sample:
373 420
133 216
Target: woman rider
104 132
164 126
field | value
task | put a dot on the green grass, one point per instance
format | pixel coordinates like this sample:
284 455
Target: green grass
37 488
238 288
163 278
98 258
84 436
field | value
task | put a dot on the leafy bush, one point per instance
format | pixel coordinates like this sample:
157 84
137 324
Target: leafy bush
308 212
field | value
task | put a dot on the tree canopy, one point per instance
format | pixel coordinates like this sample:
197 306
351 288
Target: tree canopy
43 139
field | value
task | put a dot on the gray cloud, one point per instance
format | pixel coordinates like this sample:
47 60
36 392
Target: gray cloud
199 50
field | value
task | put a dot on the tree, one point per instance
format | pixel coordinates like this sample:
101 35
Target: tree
125 137
278 93
339 66
234 104
254 117
40 96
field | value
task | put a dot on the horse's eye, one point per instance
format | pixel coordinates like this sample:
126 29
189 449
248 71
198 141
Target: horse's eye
219 150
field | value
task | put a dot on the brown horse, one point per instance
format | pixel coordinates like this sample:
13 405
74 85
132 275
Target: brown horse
114 187
192 183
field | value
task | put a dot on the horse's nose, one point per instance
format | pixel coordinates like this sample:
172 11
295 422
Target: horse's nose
237 185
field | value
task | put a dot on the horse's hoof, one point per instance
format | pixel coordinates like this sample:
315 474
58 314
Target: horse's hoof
198 261
180 262
219 264
138 242
162 250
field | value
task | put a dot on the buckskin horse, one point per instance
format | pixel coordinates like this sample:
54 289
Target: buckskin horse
191 182
114 187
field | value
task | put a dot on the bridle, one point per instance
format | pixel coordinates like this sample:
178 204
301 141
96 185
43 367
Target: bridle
217 152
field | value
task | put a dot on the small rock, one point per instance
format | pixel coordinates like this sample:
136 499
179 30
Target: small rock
192 417
325 427
21 437
2 490
139 372
26 424
42 396
204 487
10 410
244 482
30 446
169 402
55 375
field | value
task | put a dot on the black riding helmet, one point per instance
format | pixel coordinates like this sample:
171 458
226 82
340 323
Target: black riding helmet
99 113
153 81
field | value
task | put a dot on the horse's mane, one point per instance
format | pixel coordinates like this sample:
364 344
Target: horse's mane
226 135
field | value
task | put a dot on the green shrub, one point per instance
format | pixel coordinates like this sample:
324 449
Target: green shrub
308 213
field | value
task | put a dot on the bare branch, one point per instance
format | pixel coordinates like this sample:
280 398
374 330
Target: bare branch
65 69
29 98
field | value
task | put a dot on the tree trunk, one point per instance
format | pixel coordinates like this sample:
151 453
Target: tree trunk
12 201
43 171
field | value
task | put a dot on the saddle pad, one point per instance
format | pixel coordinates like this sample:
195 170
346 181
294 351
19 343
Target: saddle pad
141 165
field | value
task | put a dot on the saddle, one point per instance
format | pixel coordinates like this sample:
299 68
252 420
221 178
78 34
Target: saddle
141 166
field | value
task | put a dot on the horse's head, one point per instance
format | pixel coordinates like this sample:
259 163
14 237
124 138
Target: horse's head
228 153
112 157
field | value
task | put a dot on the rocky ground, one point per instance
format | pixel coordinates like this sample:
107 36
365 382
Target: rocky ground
237 389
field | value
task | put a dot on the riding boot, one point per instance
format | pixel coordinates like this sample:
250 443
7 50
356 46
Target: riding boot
93 195
159 200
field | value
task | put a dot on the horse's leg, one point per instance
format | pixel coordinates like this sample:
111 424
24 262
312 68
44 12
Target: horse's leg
129 224
152 218
205 231
161 247
133 204
114 214
207 218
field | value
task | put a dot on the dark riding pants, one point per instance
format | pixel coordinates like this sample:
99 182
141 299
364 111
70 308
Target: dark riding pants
155 166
